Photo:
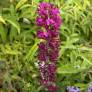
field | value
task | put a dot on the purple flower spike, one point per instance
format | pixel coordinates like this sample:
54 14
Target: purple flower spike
73 89
49 19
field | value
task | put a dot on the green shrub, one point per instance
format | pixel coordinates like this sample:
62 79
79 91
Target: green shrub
18 45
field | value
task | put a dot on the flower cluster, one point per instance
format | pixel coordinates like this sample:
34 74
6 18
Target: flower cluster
73 89
49 22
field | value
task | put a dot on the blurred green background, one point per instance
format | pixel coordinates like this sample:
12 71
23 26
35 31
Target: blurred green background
18 45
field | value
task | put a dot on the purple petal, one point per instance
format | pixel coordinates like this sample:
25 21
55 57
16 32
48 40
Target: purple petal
55 11
39 21
41 34
73 89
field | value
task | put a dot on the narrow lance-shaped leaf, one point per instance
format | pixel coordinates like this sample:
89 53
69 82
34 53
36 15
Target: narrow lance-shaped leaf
25 6
21 2
69 69
32 50
2 20
3 33
14 23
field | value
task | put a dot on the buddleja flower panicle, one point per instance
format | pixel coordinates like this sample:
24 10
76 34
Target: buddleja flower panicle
49 19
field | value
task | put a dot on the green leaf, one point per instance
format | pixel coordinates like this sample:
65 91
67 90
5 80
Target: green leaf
69 69
3 33
2 20
20 3
25 6
86 60
13 33
10 51
14 23
32 50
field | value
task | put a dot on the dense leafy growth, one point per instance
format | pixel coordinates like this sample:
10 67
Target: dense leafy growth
18 45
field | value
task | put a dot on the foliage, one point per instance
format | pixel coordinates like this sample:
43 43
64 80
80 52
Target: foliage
18 45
